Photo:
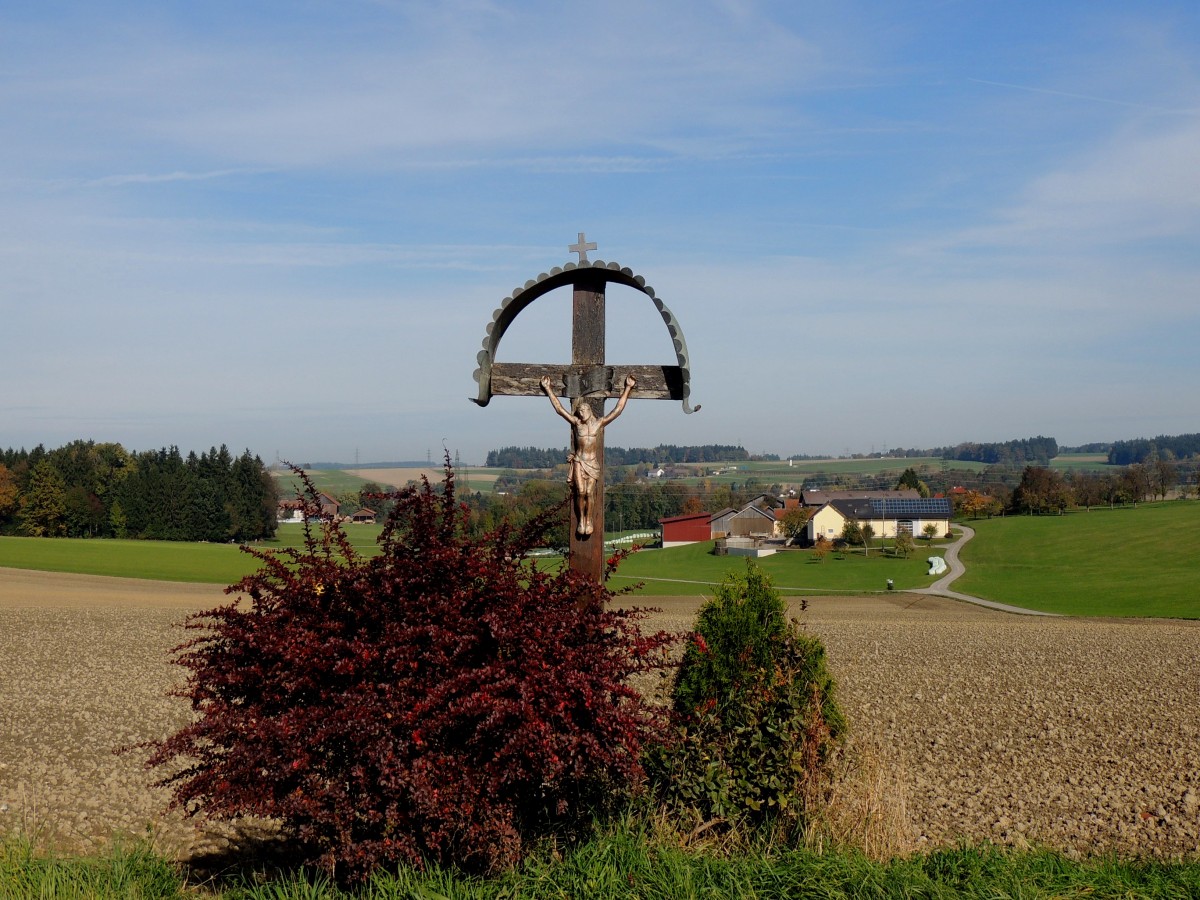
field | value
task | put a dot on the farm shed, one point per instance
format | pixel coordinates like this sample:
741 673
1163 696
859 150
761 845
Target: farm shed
690 529
752 520
720 521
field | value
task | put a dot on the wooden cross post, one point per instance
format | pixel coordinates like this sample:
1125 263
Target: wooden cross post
587 380
587 355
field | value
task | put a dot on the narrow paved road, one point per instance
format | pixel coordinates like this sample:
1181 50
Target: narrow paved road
941 587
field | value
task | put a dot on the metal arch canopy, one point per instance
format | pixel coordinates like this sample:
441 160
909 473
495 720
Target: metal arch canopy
518 379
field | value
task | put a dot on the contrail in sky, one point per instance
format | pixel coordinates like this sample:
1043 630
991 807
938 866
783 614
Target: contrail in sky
1037 90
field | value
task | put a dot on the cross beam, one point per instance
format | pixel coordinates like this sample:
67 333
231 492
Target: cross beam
523 380
588 379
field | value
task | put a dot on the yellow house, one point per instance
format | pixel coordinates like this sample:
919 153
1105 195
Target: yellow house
886 516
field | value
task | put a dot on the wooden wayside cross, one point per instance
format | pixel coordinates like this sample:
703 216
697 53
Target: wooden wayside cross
587 381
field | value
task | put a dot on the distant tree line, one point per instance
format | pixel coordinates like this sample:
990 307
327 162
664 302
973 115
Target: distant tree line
663 454
89 489
1039 450
1141 450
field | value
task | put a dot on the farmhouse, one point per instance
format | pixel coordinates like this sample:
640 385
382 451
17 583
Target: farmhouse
293 510
887 516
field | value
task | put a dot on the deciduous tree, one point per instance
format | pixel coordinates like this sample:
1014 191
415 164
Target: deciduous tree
1088 489
44 505
867 530
794 522
1041 490
1136 482
821 547
9 496
1164 475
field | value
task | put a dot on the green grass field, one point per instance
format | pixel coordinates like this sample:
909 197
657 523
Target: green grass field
693 569
1123 562
1085 461
332 481
1136 561
158 560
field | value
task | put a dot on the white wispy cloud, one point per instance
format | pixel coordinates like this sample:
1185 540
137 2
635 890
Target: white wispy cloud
1139 184
164 177
429 78
1182 111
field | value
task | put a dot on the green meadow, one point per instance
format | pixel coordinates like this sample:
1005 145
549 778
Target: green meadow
1132 561
332 481
1135 561
157 560
1085 461
693 569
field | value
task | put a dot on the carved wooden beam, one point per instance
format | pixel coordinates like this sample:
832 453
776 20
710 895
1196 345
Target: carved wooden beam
524 380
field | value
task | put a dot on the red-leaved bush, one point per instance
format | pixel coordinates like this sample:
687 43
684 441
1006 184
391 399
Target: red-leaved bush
445 701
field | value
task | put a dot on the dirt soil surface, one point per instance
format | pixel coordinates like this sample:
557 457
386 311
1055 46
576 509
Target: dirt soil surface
1079 734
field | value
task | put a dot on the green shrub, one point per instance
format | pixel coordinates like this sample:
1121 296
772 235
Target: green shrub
737 633
755 713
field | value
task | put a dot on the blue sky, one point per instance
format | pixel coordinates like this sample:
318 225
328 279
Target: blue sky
284 226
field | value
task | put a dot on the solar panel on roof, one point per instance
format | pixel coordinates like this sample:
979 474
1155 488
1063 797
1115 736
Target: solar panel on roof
935 506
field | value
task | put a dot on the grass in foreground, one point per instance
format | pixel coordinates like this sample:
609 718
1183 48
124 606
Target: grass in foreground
626 864
124 874
1133 561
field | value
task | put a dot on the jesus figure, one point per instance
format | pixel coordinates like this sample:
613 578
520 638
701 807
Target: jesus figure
584 461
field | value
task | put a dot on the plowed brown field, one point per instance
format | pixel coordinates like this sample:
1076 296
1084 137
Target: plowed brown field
1079 734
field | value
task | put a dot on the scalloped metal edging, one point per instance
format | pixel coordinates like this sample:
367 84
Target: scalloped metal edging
537 287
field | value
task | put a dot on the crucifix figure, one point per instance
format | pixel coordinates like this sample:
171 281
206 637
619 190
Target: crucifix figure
587 433
587 381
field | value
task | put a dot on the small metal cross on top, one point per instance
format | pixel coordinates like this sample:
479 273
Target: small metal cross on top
587 381
582 247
